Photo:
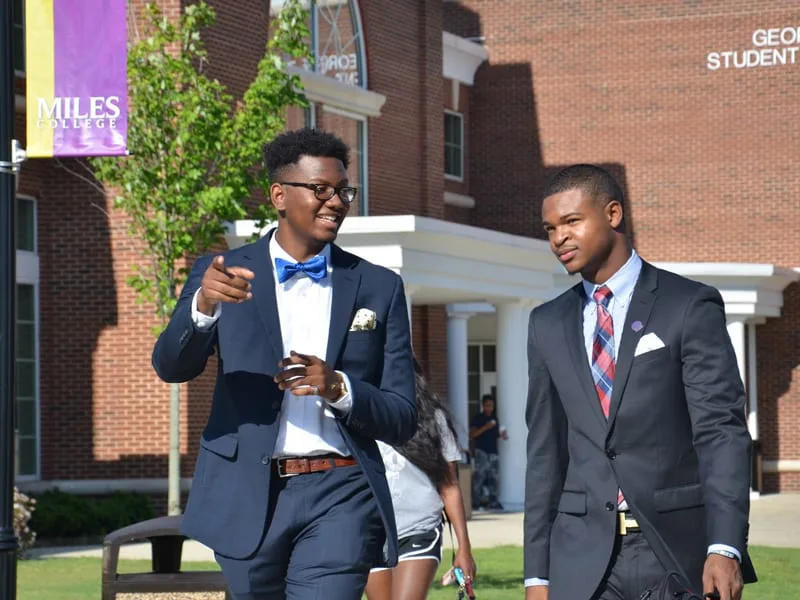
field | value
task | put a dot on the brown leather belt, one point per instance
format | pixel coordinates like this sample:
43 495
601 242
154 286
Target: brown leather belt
289 466
626 523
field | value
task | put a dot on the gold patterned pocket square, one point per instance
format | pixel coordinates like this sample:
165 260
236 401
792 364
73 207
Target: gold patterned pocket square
365 320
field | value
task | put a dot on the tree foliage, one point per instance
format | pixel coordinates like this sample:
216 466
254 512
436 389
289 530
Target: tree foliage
196 152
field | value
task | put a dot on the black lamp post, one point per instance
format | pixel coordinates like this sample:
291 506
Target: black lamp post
8 279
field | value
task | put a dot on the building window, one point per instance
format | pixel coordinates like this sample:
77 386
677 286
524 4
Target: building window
453 146
25 376
352 129
481 375
18 16
26 224
26 359
337 41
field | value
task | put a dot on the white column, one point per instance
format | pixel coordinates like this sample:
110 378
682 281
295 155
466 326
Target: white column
410 289
752 382
512 391
457 368
736 333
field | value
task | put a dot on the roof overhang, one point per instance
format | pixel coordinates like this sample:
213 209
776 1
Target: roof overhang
449 263
461 58
443 262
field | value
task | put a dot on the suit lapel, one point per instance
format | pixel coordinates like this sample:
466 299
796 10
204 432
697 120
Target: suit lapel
345 283
639 310
260 262
573 334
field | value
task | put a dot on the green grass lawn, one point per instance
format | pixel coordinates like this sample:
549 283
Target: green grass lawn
499 576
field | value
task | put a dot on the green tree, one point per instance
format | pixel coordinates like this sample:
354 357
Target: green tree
196 153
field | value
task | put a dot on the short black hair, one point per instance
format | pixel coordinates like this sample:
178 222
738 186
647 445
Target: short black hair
486 398
288 147
594 180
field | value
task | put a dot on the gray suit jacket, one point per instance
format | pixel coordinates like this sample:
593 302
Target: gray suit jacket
676 439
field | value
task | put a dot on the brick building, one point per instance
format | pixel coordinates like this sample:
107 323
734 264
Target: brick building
458 112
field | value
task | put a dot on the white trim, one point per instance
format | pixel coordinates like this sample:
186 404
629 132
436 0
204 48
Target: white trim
455 93
449 176
752 381
102 486
782 466
461 58
327 90
459 200
344 113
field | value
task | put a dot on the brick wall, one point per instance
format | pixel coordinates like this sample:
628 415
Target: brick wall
707 158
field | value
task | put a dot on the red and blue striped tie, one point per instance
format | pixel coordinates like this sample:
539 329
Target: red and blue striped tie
603 359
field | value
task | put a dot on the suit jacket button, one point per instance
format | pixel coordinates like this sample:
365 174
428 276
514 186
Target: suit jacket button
265 460
276 405
611 454
610 506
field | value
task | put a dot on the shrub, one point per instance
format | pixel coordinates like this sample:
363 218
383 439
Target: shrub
61 515
23 510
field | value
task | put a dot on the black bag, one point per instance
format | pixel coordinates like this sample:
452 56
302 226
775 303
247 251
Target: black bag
672 587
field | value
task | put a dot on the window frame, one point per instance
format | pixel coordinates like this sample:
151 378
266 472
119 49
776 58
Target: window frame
27 273
460 116
20 25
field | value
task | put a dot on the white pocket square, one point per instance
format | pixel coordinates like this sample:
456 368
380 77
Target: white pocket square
648 343
365 320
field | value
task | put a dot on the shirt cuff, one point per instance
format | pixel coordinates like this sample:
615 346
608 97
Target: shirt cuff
713 548
536 581
345 403
201 321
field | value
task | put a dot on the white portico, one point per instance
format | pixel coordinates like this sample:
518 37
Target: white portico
489 281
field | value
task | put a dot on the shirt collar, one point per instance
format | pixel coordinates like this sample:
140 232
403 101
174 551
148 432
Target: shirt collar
276 251
620 283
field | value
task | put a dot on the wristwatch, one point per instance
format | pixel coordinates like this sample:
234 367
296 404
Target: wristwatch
724 553
339 386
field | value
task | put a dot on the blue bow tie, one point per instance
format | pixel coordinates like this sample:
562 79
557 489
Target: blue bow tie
316 268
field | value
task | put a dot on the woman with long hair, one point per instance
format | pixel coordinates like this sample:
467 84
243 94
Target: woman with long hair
423 479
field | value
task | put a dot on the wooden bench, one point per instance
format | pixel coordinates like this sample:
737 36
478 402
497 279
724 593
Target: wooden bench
166 545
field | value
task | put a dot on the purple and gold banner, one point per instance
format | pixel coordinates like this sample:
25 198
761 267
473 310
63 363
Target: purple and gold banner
77 77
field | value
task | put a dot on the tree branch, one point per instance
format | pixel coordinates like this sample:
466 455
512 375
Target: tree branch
94 184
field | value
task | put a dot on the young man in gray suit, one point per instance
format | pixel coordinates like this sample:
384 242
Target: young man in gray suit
638 452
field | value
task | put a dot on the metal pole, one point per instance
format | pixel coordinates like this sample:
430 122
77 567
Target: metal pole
8 281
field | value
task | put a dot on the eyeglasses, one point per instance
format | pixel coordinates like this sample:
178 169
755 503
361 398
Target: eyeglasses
324 191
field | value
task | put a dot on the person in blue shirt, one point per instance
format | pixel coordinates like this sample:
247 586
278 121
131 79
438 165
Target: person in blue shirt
484 432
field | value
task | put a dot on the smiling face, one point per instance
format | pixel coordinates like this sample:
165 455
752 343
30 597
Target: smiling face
584 233
305 223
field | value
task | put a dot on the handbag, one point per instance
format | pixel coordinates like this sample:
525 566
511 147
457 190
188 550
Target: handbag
672 587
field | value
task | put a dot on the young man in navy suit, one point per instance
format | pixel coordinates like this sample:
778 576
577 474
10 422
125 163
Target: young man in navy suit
314 365
638 449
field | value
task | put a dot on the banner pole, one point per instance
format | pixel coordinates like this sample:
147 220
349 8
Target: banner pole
8 255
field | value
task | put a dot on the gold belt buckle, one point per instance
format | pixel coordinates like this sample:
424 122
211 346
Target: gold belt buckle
625 523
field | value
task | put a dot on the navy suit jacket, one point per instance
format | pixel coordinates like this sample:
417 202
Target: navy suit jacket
228 504
676 439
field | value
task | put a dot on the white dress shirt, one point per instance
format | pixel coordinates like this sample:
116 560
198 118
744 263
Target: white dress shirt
307 423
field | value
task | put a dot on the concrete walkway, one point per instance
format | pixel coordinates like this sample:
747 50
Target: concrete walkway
774 521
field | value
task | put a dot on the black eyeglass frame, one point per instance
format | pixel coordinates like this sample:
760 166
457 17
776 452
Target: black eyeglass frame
319 188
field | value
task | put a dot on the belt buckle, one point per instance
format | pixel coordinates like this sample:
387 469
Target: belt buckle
279 464
623 528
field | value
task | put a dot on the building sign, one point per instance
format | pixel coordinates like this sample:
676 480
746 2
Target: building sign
775 47
343 67
76 77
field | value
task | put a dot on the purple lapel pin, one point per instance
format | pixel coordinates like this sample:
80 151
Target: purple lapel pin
637 325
